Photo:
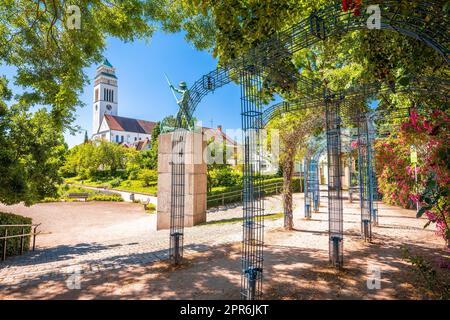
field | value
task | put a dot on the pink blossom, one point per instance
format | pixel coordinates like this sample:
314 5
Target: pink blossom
414 116
414 197
431 216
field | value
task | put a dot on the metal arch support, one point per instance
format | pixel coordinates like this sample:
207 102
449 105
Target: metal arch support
315 169
253 203
325 23
329 22
177 196
311 175
365 177
424 85
335 205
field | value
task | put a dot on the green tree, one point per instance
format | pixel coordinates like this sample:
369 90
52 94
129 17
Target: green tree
31 153
88 159
49 58
294 130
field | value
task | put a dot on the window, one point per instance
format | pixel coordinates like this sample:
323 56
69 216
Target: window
135 139
96 107
121 139
96 94
112 96
117 139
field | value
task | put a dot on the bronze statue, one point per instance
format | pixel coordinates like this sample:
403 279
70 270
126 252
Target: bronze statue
183 117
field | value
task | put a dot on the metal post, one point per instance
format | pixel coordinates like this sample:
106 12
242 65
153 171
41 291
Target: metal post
335 206
177 196
22 241
365 178
34 238
350 163
4 244
253 202
176 255
307 196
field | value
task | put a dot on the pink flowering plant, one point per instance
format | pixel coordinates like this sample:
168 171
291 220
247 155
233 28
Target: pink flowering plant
431 136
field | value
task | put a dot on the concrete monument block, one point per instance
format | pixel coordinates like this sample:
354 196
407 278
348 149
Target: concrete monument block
195 179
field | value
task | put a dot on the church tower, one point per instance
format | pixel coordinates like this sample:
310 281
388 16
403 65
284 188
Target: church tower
105 94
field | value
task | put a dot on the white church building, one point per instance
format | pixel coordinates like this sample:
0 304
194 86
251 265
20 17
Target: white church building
107 124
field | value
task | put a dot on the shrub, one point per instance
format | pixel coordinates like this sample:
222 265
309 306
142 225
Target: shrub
150 207
225 176
115 183
427 181
148 177
427 275
106 197
13 245
50 199
133 171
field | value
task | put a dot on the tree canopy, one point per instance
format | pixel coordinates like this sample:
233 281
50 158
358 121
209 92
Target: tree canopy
48 57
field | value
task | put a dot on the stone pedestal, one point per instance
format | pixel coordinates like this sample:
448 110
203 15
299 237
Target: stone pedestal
195 180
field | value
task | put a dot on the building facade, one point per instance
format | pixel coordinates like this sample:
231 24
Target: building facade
106 122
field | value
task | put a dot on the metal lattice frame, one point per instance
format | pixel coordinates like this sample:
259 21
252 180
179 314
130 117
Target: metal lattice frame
253 204
331 21
177 196
431 86
335 205
366 178
311 175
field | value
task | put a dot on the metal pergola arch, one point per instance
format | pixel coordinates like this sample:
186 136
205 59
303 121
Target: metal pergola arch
316 147
249 70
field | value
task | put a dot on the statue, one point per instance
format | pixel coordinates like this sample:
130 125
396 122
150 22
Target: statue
183 116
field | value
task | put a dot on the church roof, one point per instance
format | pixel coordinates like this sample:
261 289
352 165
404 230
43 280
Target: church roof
127 124
107 63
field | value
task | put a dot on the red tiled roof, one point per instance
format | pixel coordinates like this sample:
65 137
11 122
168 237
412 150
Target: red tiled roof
216 133
141 144
127 124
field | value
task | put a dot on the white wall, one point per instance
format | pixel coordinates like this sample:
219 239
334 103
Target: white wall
128 137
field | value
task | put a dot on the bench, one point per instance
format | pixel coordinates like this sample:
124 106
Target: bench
80 195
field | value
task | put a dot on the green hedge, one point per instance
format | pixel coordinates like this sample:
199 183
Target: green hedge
297 185
106 197
13 245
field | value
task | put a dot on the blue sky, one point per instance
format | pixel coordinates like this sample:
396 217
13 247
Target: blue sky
143 90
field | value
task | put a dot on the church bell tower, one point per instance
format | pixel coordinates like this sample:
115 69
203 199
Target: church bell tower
105 94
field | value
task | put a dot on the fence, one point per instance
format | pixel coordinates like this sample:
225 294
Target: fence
236 196
23 236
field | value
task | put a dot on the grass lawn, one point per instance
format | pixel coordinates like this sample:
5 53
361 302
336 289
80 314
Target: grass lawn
136 186
126 185
272 216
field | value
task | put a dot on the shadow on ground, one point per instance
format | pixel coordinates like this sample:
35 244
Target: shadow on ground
290 273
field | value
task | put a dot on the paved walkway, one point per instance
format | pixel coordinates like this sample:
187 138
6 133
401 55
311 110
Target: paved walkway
143 245
97 258
71 223
126 195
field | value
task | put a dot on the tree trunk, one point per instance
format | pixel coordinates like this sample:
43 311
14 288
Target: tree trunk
288 170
